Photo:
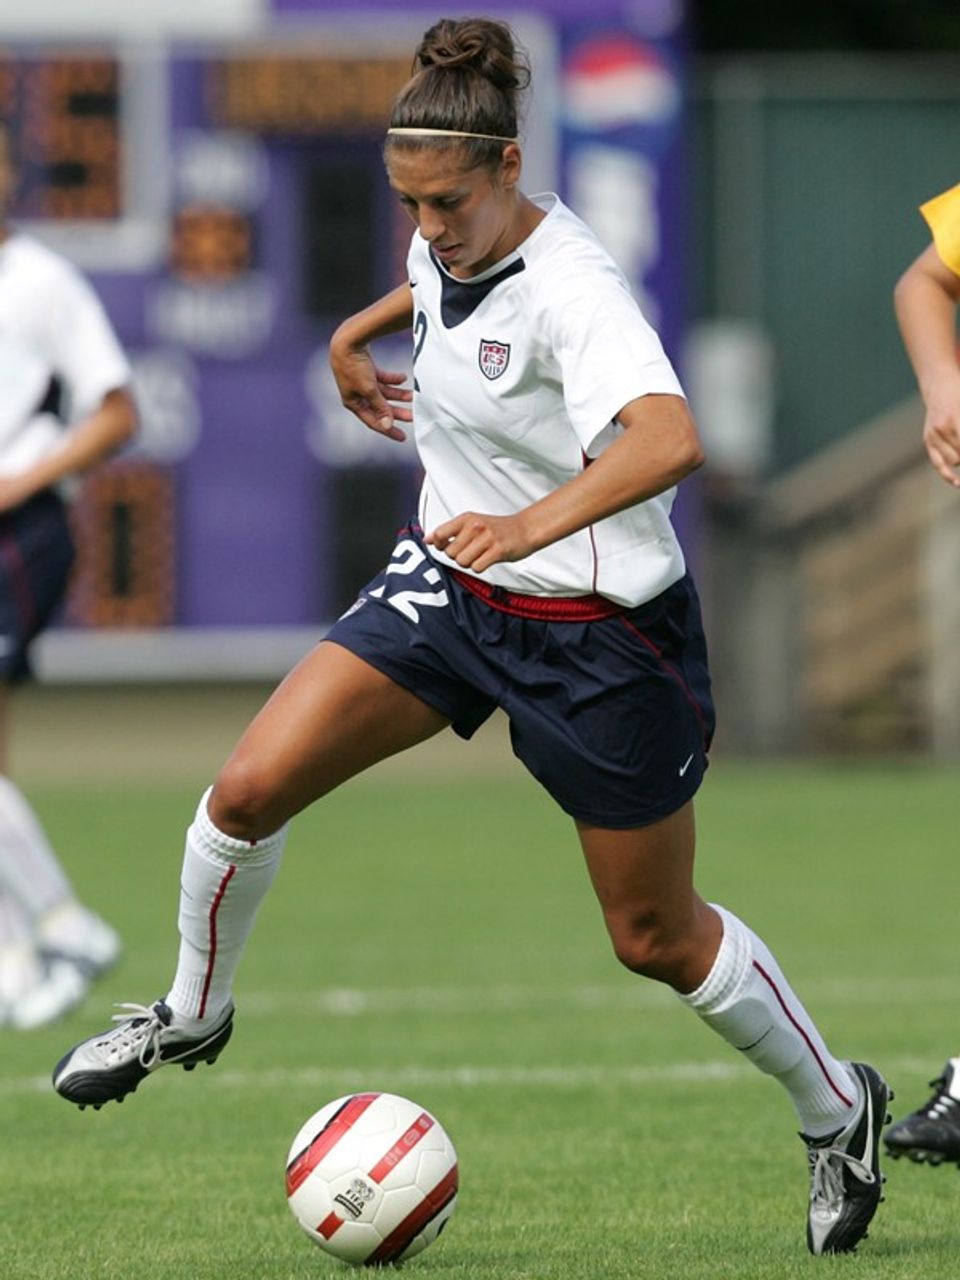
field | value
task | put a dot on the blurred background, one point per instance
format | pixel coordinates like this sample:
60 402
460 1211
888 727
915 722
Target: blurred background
755 169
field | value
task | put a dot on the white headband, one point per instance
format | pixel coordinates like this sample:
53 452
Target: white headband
450 133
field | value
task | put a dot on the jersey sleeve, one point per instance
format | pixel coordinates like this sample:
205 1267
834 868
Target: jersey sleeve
84 348
607 351
943 218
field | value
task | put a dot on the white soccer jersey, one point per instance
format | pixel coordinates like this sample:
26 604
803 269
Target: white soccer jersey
56 344
518 374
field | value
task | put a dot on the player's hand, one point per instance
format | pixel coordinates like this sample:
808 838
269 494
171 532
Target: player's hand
367 391
476 542
941 428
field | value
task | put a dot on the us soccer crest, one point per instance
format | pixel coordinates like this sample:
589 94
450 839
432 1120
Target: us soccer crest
494 358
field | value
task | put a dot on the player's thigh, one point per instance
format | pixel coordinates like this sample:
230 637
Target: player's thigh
332 717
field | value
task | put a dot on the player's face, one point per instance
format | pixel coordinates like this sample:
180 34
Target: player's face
471 217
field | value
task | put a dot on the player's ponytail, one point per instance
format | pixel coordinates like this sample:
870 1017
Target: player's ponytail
468 77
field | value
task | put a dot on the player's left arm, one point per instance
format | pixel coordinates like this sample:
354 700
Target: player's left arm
658 448
101 433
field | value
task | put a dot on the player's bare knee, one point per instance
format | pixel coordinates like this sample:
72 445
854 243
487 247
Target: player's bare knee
646 947
241 802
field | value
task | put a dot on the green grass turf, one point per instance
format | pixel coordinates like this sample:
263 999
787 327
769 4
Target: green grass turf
438 938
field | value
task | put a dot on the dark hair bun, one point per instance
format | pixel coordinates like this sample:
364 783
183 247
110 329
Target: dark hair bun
476 44
467 78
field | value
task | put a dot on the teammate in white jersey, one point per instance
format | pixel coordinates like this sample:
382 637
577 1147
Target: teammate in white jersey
64 406
542 577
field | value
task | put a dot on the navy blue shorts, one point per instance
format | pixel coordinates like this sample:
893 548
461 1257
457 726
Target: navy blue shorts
613 715
36 554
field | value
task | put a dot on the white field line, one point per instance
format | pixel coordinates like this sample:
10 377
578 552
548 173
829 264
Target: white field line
389 1076
466 1001
348 1002
466 1077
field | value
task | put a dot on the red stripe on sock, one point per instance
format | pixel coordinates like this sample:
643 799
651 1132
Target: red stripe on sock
342 1122
402 1235
405 1144
809 1043
212 938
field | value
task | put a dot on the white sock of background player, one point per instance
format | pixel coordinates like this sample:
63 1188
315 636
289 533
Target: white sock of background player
748 1001
20 967
29 868
31 872
223 882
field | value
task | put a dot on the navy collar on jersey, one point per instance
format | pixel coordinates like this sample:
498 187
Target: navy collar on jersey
460 298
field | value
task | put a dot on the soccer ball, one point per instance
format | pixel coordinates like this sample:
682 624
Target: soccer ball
372 1178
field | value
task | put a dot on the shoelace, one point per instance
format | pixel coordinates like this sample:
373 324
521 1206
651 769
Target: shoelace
826 1169
941 1103
140 1025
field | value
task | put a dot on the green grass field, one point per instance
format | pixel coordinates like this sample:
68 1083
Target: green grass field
434 935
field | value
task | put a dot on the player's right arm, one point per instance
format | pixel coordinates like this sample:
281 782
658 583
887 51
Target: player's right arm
110 426
364 388
925 299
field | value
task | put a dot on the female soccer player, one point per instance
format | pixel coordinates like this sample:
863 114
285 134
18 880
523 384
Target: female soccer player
64 406
926 298
541 576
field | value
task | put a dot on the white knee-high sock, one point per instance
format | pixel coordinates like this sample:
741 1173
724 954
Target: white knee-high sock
224 880
747 1000
29 868
20 967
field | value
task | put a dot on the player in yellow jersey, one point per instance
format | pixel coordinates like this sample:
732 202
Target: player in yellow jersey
926 299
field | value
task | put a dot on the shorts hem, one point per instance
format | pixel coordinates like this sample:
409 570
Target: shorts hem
643 818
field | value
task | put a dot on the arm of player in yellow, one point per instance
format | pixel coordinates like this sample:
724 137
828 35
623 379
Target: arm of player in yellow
925 299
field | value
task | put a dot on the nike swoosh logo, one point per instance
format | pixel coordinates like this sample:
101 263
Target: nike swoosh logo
686 764
413 284
745 1048
868 1128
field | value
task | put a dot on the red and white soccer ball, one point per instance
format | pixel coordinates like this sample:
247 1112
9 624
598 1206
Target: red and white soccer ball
372 1178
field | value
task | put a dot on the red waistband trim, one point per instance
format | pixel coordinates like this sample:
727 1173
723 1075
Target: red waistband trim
590 608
